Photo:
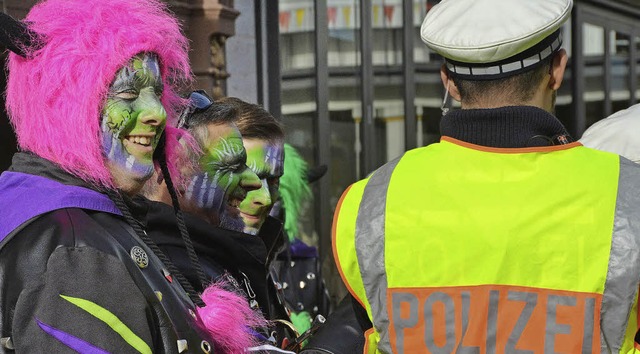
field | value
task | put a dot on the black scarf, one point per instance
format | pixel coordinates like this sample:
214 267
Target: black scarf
505 127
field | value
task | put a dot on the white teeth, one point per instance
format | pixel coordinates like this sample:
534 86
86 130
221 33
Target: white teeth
141 140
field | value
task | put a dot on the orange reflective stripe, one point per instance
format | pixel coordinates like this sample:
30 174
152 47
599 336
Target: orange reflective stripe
345 281
638 311
493 319
511 150
368 338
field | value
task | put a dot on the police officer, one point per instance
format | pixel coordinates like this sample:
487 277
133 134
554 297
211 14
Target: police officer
506 236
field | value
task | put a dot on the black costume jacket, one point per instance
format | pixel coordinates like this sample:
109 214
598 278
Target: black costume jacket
68 278
239 258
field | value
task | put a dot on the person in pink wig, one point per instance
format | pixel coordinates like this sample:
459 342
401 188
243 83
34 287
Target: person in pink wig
90 89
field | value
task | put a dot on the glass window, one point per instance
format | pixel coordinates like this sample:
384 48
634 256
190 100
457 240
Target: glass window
594 56
388 80
297 40
636 41
345 93
298 91
344 21
620 78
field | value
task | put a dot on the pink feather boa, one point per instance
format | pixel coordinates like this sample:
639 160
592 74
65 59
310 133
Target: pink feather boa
228 319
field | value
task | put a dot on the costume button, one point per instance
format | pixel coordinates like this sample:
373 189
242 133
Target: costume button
139 256
302 284
7 343
182 345
311 276
205 346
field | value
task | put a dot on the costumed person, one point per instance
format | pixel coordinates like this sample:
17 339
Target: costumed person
297 268
211 199
618 133
91 84
505 236
263 138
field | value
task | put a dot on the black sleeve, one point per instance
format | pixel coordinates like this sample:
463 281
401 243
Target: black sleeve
343 333
85 302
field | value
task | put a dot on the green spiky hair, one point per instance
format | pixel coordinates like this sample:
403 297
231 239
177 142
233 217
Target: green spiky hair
294 189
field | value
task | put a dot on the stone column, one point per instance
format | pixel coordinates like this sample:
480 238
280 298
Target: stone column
209 25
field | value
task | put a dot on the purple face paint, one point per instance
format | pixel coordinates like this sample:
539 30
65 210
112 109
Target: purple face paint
133 116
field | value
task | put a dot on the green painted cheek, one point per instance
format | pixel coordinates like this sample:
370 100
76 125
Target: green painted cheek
222 178
224 181
245 205
255 159
137 64
119 116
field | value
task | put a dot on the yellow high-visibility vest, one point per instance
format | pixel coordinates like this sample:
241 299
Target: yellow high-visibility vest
458 248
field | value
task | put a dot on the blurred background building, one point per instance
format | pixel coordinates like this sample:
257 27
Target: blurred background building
356 87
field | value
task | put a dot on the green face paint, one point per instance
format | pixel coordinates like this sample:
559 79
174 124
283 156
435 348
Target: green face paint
219 187
266 159
133 117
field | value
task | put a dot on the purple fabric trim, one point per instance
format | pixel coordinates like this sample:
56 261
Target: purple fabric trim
300 249
71 341
24 196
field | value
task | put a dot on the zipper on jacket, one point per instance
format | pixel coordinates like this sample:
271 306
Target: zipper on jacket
250 293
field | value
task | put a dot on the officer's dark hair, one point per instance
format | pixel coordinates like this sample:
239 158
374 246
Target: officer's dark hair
516 89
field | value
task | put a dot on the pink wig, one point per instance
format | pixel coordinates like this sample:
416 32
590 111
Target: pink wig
55 98
228 318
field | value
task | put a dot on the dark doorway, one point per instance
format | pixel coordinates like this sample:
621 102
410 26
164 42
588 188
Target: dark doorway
7 136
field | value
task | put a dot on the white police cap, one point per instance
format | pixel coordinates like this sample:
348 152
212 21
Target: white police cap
490 39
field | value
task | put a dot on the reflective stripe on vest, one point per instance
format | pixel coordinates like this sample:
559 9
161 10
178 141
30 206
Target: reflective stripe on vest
463 294
624 262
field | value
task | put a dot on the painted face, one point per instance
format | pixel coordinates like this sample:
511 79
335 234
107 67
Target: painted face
133 117
266 159
224 178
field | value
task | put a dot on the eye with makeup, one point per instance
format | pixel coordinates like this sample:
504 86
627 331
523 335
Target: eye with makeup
226 166
228 158
127 95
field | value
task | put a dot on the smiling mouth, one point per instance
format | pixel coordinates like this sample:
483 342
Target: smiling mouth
250 217
142 140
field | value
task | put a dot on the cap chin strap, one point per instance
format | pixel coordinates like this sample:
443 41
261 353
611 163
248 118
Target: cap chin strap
446 102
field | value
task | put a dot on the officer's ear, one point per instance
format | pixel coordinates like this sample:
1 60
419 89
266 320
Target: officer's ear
449 84
558 66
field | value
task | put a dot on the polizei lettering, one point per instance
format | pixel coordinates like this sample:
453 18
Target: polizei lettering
493 320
